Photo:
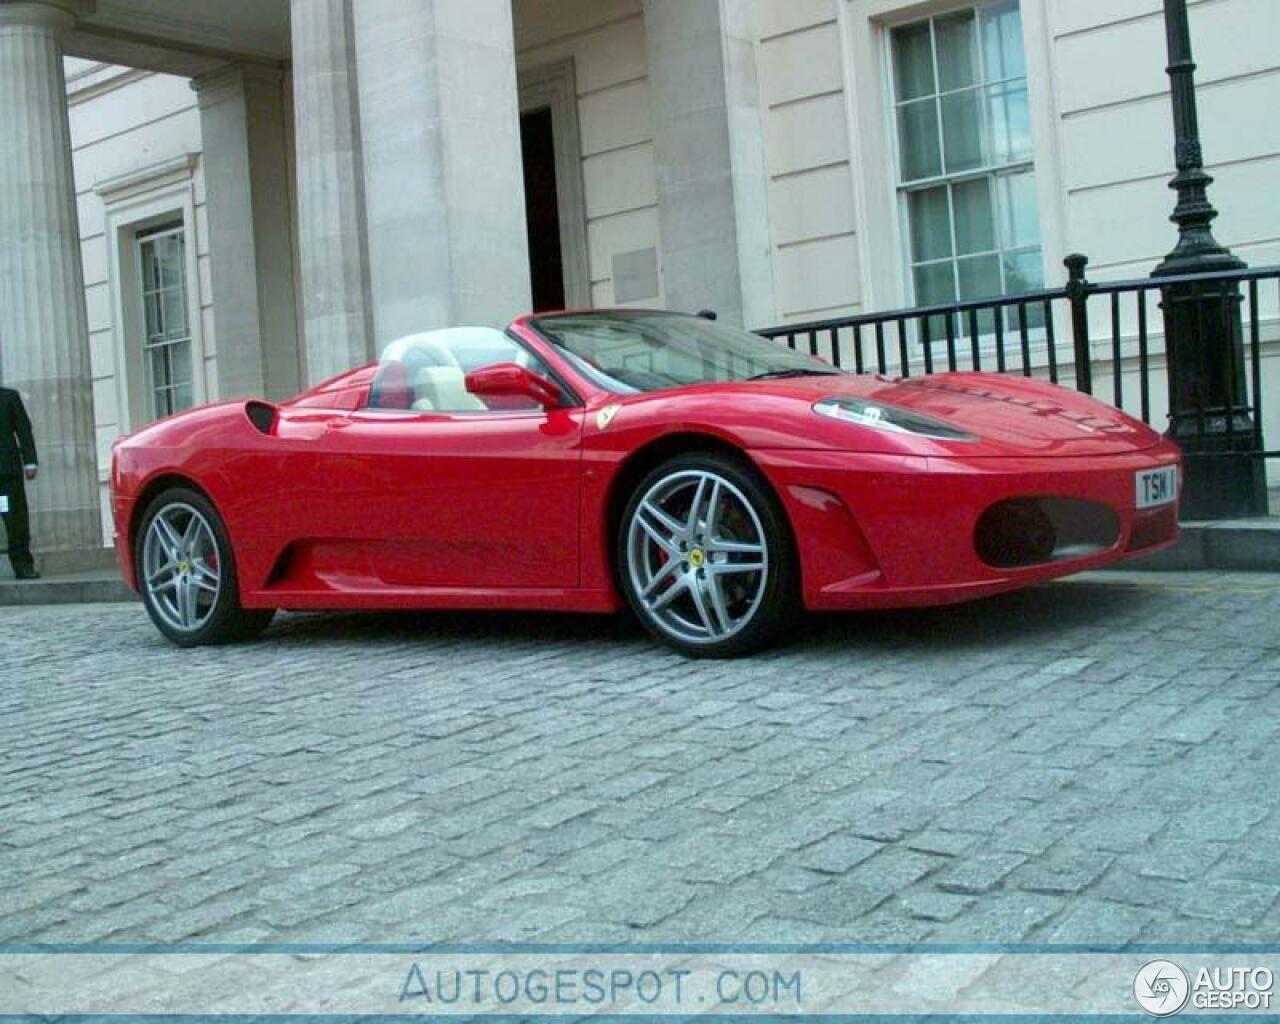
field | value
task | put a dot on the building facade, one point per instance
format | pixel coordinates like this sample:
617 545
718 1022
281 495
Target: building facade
206 201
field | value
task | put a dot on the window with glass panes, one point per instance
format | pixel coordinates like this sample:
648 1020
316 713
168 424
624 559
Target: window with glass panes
166 341
966 177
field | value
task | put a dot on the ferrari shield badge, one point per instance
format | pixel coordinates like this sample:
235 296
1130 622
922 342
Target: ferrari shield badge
605 416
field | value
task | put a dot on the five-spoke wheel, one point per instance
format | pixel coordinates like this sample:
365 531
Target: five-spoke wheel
705 558
180 567
186 572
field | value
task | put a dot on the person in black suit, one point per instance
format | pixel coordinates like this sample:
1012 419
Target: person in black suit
17 465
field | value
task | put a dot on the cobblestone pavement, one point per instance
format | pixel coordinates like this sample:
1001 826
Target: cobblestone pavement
1096 760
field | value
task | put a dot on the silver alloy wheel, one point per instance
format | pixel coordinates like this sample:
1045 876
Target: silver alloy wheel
181 569
697 556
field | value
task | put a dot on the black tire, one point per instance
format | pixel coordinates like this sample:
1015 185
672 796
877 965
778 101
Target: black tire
221 618
739 610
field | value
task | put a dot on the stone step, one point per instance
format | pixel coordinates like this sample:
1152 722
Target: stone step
65 588
1242 545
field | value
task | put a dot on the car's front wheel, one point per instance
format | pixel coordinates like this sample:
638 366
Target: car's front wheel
187 573
705 556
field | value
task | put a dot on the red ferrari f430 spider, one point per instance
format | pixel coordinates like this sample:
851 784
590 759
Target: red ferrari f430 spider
712 481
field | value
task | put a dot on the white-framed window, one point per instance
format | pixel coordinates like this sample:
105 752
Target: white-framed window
965 172
166 319
149 203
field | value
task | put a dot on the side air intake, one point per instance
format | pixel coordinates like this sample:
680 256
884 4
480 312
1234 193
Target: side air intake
262 415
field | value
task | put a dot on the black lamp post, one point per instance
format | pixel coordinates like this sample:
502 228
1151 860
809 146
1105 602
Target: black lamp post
1208 410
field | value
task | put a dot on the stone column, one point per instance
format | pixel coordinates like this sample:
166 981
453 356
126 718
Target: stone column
712 196
337 324
242 127
44 341
443 176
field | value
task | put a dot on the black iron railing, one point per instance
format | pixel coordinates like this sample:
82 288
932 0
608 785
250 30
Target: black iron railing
1107 336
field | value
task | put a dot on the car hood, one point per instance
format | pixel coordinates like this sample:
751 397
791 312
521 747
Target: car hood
1015 410
1010 416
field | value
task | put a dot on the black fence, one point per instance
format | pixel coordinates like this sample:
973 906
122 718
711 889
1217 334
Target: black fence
1103 338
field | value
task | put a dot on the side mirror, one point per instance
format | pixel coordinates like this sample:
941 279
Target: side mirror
510 380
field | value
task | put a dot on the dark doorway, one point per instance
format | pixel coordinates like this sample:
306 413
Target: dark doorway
542 208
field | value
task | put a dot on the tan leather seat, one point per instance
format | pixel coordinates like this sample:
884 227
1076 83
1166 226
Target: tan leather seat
443 389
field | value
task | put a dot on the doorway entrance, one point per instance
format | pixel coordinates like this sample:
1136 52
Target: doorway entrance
555 209
542 210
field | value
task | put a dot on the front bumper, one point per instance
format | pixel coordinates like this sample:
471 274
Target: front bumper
120 541
884 531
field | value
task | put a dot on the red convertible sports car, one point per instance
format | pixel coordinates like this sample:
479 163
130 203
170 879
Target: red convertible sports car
711 480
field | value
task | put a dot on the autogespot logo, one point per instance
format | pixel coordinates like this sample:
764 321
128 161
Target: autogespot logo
1161 988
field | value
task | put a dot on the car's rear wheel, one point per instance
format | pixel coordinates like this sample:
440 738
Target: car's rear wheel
705 556
187 573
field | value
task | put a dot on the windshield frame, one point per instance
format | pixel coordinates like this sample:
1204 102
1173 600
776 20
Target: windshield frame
543 324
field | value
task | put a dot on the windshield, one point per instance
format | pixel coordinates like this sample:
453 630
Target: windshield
646 351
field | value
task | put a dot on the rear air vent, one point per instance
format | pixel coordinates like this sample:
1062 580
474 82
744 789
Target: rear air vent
1021 532
261 415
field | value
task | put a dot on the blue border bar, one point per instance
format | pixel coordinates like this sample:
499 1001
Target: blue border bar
1004 1018
672 949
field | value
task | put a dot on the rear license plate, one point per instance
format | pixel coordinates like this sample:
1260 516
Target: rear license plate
1157 486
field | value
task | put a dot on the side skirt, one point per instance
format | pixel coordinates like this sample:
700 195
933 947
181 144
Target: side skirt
408 598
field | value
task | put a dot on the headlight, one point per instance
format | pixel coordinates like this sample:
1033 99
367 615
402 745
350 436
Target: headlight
889 418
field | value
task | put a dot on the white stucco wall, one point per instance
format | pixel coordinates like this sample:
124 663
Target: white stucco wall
1102 140
1103 136
606 42
813 222
127 123
1116 130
